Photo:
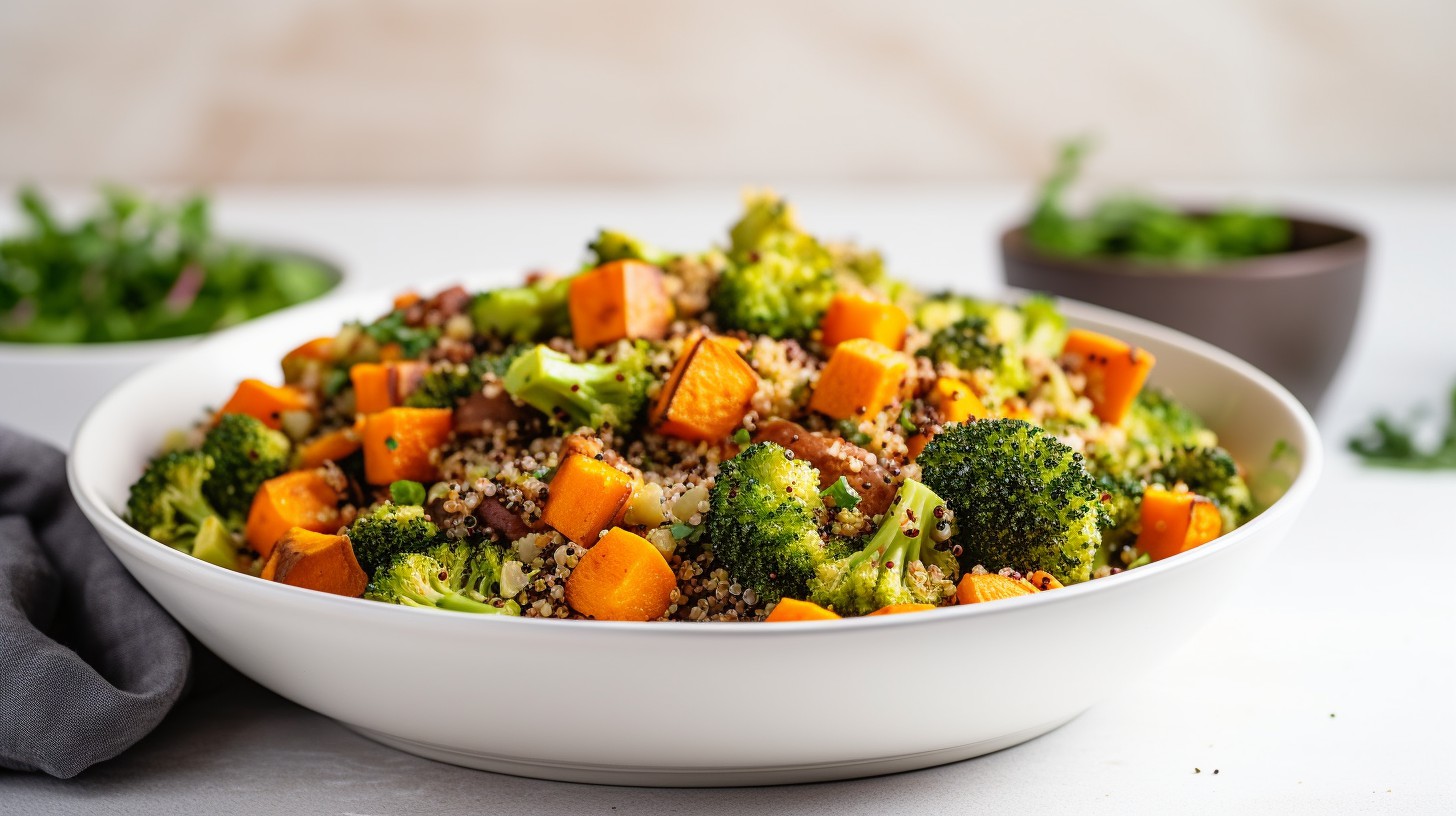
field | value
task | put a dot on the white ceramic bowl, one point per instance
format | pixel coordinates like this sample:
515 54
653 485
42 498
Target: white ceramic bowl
675 703
50 387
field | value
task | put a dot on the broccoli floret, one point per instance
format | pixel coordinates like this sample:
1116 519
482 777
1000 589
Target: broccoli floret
1044 328
763 521
774 294
1021 498
1212 473
443 386
968 344
1158 419
903 563
245 453
1122 501
613 245
524 313
389 530
573 395
460 577
215 544
167 502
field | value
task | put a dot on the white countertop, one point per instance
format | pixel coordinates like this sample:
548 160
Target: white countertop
1327 684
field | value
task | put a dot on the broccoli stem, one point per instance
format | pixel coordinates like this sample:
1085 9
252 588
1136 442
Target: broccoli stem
456 602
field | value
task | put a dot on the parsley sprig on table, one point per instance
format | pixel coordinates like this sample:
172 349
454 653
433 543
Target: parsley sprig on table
1389 443
1139 228
135 269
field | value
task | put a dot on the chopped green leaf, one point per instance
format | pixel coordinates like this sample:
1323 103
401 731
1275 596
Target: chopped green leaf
906 423
841 494
405 492
741 436
391 443
1392 444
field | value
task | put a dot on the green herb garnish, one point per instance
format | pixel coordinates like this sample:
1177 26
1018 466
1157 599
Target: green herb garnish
135 269
843 496
741 436
1139 228
1392 444
405 492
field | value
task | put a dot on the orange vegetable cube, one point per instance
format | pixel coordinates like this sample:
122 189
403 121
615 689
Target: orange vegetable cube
902 608
586 497
980 588
398 442
852 316
319 348
622 578
1175 521
789 610
1043 580
331 447
302 498
862 378
621 299
917 444
316 561
378 386
265 402
956 400
1115 371
707 393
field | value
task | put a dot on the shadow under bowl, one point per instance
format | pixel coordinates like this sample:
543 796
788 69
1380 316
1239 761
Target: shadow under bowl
1291 314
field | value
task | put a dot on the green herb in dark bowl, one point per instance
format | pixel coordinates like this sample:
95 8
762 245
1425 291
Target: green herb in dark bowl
136 269
1136 227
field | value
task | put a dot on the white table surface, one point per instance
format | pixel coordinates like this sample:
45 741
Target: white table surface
1326 685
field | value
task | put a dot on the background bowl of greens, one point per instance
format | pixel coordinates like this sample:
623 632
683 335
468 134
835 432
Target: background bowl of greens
1278 290
85 303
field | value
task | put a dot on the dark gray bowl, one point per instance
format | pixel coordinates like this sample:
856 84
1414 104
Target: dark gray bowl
1291 314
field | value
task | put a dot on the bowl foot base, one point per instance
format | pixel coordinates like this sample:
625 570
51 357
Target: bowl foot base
691 777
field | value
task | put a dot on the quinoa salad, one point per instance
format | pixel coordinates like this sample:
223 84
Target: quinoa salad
773 428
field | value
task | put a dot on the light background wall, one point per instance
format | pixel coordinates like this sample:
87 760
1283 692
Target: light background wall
452 91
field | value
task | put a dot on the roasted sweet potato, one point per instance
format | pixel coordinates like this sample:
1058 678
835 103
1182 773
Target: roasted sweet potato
316 561
398 442
302 498
621 299
789 610
1115 371
265 402
707 393
1174 521
852 316
622 577
861 379
980 588
587 496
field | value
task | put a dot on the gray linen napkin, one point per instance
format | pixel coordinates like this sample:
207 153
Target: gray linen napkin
89 663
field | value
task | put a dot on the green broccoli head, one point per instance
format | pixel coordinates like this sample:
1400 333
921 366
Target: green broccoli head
1044 327
763 521
610 390
443 386
969 344
613 245
773 293
1212 473
167 502
246 453
389 530
459 577
524 313
1122 499
1158 420
215 544
1021 497
906 561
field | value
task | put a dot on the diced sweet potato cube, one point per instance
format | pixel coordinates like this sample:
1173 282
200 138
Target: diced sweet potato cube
302 498
586 497
265 402
862 378
622 299
707 393
916 444
789 610
398 442
956 400
852 316
980 588
901 609
622 578
332 446
317 561
1174 521
378 386
1115 371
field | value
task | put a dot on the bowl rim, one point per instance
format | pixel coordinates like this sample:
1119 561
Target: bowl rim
181 566
1352 246
108 352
